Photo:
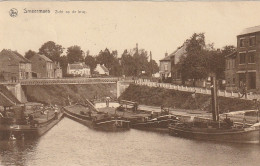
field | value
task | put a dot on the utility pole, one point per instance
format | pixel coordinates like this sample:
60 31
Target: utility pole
214 102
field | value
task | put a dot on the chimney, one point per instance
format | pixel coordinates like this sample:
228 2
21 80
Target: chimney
166 54
151 58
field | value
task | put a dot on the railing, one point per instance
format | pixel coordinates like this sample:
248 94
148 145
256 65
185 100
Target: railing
68 81
223 93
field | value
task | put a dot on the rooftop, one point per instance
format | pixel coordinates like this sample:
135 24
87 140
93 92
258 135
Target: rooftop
177 53
104 68
78 66
14 56
44 58
232 55
250 30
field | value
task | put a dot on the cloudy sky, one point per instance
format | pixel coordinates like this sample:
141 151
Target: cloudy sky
155 26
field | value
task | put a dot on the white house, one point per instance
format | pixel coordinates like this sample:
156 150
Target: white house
77 69
102 70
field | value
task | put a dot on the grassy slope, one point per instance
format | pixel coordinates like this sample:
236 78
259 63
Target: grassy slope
58 94
178 99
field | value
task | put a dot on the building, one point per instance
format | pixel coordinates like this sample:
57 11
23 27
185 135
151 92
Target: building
169 67
230 71
57 70
42 66
101 70
14 67
246 69
78 69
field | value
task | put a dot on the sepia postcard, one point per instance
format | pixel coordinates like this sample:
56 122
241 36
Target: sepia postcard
133 83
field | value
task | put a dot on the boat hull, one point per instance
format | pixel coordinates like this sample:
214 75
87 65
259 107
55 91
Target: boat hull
245 135
27 131
154 124
104 125
85 122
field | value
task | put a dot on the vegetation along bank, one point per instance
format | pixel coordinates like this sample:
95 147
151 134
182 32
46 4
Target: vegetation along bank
156 96
59 94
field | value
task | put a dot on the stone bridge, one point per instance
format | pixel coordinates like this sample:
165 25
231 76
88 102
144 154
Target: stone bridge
15 87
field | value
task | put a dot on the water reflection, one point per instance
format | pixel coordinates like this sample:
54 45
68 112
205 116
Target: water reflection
70 143
16 152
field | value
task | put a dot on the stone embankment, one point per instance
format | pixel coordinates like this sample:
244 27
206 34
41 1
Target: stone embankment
157 96
59 94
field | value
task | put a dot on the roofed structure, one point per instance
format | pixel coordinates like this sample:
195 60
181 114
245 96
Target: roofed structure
14 56
76 66
176 54
250 30
45 58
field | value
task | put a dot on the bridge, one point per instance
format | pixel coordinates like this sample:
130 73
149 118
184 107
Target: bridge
15 87
50 81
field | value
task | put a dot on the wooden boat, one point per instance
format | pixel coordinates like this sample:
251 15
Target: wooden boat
146 119
94 119
30 126
159 122
216 129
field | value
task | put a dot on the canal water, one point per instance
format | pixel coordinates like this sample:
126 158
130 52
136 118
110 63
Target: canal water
70 143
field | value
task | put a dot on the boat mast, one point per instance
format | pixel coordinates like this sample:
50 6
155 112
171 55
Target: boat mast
214 102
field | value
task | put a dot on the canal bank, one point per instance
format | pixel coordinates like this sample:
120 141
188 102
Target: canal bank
155 96
59 94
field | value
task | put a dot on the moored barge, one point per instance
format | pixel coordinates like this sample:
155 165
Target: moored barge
96 120
17 123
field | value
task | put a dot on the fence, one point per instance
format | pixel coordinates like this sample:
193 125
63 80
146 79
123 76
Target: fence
68 81
223 93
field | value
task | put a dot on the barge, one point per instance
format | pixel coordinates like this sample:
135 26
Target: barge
94 119
17 123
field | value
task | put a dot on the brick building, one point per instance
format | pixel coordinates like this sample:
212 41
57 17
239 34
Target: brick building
42 66
169 64
14 67
246 59
230 71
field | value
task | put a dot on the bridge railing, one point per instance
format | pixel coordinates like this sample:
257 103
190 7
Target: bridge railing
68 81
224 93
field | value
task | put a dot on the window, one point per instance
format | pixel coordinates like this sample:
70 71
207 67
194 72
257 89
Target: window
242 42
242 58
251 57
252 41
227 64
166 67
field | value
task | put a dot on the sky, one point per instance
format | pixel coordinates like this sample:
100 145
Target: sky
158 27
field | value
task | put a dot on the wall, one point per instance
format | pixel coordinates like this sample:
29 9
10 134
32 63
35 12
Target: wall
58 94
17 91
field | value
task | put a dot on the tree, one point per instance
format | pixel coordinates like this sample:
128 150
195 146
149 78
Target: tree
135 63
51 50
64 63
127 64
226 50
29 54
110 60
75 54
91 62
195 64
152 67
